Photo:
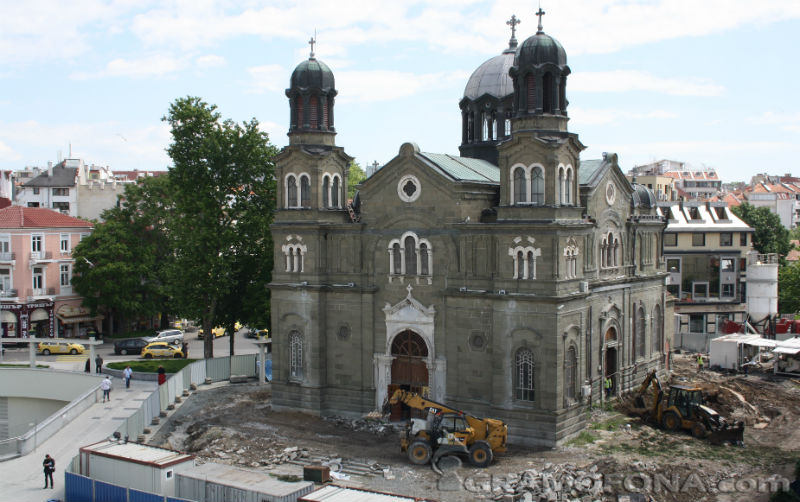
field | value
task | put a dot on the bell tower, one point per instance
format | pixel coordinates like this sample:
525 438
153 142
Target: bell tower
311 96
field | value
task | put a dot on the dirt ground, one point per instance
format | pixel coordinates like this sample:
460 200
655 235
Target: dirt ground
235 424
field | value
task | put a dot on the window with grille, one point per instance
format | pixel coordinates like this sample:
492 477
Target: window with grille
571 374
305 192
411 255
335 192
313 112
291 191
519 185
523 384
325 190
639 337
537 185
295 355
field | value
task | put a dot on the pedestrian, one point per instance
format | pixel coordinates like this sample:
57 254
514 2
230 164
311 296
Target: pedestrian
98 364
106 386
127 372
746 365
608 384
49 467
88 367
700 362
185 350
162 375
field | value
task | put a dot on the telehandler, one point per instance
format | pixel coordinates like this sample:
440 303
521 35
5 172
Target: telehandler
681 407
448 431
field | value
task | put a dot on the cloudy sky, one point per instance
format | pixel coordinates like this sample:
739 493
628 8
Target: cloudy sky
709 82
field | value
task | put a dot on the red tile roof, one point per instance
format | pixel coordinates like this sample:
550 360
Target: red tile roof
38 217
794 254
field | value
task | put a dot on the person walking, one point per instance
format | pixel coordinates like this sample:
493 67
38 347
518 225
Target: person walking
98 364
162 375
127 372
608 385
700 362
88 367
106 386
49 466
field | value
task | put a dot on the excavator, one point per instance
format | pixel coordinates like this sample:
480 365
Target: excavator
681 407
447 431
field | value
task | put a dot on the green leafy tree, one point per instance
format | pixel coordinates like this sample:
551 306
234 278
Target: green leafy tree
223 191
117 267
355 176
770 235
789 289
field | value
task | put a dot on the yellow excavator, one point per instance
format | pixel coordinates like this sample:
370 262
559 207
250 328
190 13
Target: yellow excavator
681 407
447 431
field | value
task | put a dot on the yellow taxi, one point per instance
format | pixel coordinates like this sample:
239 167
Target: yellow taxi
162 349
47 348
217 332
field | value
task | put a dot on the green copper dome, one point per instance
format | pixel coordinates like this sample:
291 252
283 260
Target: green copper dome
540 49
312 74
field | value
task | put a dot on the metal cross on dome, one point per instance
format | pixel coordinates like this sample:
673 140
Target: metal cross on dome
311 43
540 13
513 22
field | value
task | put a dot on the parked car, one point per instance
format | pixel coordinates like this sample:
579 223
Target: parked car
257 333
168 335
129 346
47 348
218 332
162 349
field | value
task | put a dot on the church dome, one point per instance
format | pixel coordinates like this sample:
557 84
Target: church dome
312 74
540 49
492 77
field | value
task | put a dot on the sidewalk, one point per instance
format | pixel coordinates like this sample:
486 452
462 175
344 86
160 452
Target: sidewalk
23 478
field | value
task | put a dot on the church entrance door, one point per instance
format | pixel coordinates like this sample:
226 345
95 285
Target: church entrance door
409 370
611 368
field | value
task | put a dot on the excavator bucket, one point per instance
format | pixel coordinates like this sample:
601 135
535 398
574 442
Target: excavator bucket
733 434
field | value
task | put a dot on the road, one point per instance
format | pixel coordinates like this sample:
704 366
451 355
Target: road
242 345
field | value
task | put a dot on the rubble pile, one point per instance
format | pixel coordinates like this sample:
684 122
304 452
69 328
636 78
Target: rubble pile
553 482
373 424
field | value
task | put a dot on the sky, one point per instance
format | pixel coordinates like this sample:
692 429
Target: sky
712 83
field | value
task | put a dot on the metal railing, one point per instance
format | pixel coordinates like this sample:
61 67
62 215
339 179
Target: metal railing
41 255
8 256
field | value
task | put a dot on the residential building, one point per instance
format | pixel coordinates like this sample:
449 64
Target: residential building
705 248
54 188
696 184
510 281
782 199
36 264
662 186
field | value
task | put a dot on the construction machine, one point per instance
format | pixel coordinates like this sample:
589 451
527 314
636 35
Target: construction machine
447 431
682 407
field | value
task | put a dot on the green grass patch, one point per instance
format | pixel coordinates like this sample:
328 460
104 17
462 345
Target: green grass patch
612 424
151 365
20 365
582 439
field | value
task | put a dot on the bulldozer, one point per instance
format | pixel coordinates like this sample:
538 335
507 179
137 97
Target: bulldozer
447 431
681 407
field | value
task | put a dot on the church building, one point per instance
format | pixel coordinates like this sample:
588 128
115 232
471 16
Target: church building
510 281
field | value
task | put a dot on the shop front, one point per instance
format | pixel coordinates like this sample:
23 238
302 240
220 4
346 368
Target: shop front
75 321
21 320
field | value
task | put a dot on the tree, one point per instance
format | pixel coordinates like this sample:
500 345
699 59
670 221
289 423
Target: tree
117 267
789 289
223 191
355 176
770 235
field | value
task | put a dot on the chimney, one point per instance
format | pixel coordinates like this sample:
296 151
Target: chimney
49 169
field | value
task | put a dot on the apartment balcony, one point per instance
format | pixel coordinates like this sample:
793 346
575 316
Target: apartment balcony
8 293
7 257
37 293
37 256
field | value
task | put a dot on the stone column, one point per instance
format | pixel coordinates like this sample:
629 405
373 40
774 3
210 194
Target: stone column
382 365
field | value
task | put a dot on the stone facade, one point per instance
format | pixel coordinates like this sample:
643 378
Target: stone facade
508 290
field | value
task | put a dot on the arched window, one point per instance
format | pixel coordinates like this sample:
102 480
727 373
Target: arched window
494 129
325 123
537 185
548 93
295 355
568 190
571 374
471 127
305 192
531 266
561 182
313 107
519 185
298 259
291 191
325 189
424 258
616 252
335 192
523 377
519 266
290 261
397 259
299 118
411 255
507 129
639 324
603 253
658 330
485 127
530 86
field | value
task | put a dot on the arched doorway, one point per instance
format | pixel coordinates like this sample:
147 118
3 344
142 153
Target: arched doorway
8 324
409 371
40 323
611 358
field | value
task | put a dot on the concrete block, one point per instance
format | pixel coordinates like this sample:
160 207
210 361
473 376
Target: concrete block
238 378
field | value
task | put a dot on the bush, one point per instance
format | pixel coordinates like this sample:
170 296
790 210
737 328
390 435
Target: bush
151 365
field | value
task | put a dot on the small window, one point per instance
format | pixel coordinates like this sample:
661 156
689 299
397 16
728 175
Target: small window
728 265
673 265
743 239
728 290
36 191
726 239
670 239
169 474
61 192
64 243
698 239
697 323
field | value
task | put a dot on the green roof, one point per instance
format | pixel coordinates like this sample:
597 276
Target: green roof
464 168
588 169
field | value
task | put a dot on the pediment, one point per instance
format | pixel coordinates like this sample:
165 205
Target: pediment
409 309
